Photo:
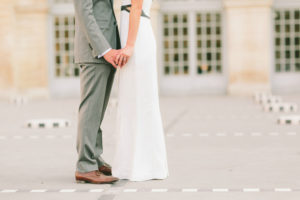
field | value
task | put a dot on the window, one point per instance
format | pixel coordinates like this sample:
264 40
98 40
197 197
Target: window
286 41
179 34
209 43
175 44
64 30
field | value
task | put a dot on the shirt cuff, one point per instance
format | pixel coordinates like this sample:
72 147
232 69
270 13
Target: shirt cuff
101 55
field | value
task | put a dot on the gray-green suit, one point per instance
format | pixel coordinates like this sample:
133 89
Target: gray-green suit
96 32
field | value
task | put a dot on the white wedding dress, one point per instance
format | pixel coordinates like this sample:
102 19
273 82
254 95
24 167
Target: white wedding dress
140 151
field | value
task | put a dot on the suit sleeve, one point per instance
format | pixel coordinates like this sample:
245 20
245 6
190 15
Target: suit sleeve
87 22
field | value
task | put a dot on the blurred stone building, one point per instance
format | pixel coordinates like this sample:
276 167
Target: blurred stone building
204 47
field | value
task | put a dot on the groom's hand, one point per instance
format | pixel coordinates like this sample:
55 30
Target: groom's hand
111 56
124 55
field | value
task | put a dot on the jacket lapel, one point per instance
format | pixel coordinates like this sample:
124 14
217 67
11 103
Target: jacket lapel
112 7
111 3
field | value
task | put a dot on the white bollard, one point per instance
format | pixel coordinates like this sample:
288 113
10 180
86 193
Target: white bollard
48 123
281 107
292 119
259 95
19 100
270 100
264 98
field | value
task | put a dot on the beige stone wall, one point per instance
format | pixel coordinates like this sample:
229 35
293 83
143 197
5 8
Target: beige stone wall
24 52
24 31
6 40
248 45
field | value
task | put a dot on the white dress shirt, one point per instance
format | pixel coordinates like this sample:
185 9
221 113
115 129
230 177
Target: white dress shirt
99 56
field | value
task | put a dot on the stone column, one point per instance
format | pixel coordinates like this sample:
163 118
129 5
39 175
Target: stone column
248 45
7 22
30 49
155 10
23 50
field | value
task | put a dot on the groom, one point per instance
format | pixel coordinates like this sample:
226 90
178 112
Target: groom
96 41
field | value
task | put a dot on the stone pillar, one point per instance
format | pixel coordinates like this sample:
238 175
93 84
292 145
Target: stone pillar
7 22
30 47
248 45
25 67
155 10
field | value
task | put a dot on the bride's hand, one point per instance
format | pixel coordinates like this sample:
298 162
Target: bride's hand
124 55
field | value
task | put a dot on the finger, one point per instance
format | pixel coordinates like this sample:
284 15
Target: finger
123 63
119 56
117 64
116 60
114 64
124 60
121 60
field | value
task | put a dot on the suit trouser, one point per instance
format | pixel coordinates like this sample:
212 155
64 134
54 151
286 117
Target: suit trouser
96 81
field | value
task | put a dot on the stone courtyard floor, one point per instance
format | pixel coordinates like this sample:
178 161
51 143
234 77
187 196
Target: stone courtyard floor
219 148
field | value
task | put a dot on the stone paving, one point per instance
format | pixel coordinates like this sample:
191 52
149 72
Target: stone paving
219 147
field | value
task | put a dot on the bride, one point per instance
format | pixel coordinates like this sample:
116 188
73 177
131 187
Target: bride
141 151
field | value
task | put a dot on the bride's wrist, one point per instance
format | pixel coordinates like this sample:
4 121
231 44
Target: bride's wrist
129 45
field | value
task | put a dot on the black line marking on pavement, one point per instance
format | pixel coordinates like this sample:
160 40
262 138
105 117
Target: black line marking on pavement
107 197
120 183
175 120
111 194
174 190
24 191
82 190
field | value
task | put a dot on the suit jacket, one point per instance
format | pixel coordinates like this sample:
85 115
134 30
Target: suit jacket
96 30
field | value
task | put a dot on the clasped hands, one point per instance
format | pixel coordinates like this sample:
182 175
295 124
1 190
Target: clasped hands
118 58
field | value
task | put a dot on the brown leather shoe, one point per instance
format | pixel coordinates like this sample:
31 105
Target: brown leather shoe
95 177
105 170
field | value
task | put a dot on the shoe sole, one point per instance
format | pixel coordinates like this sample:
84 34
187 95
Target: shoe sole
91 182
107 174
